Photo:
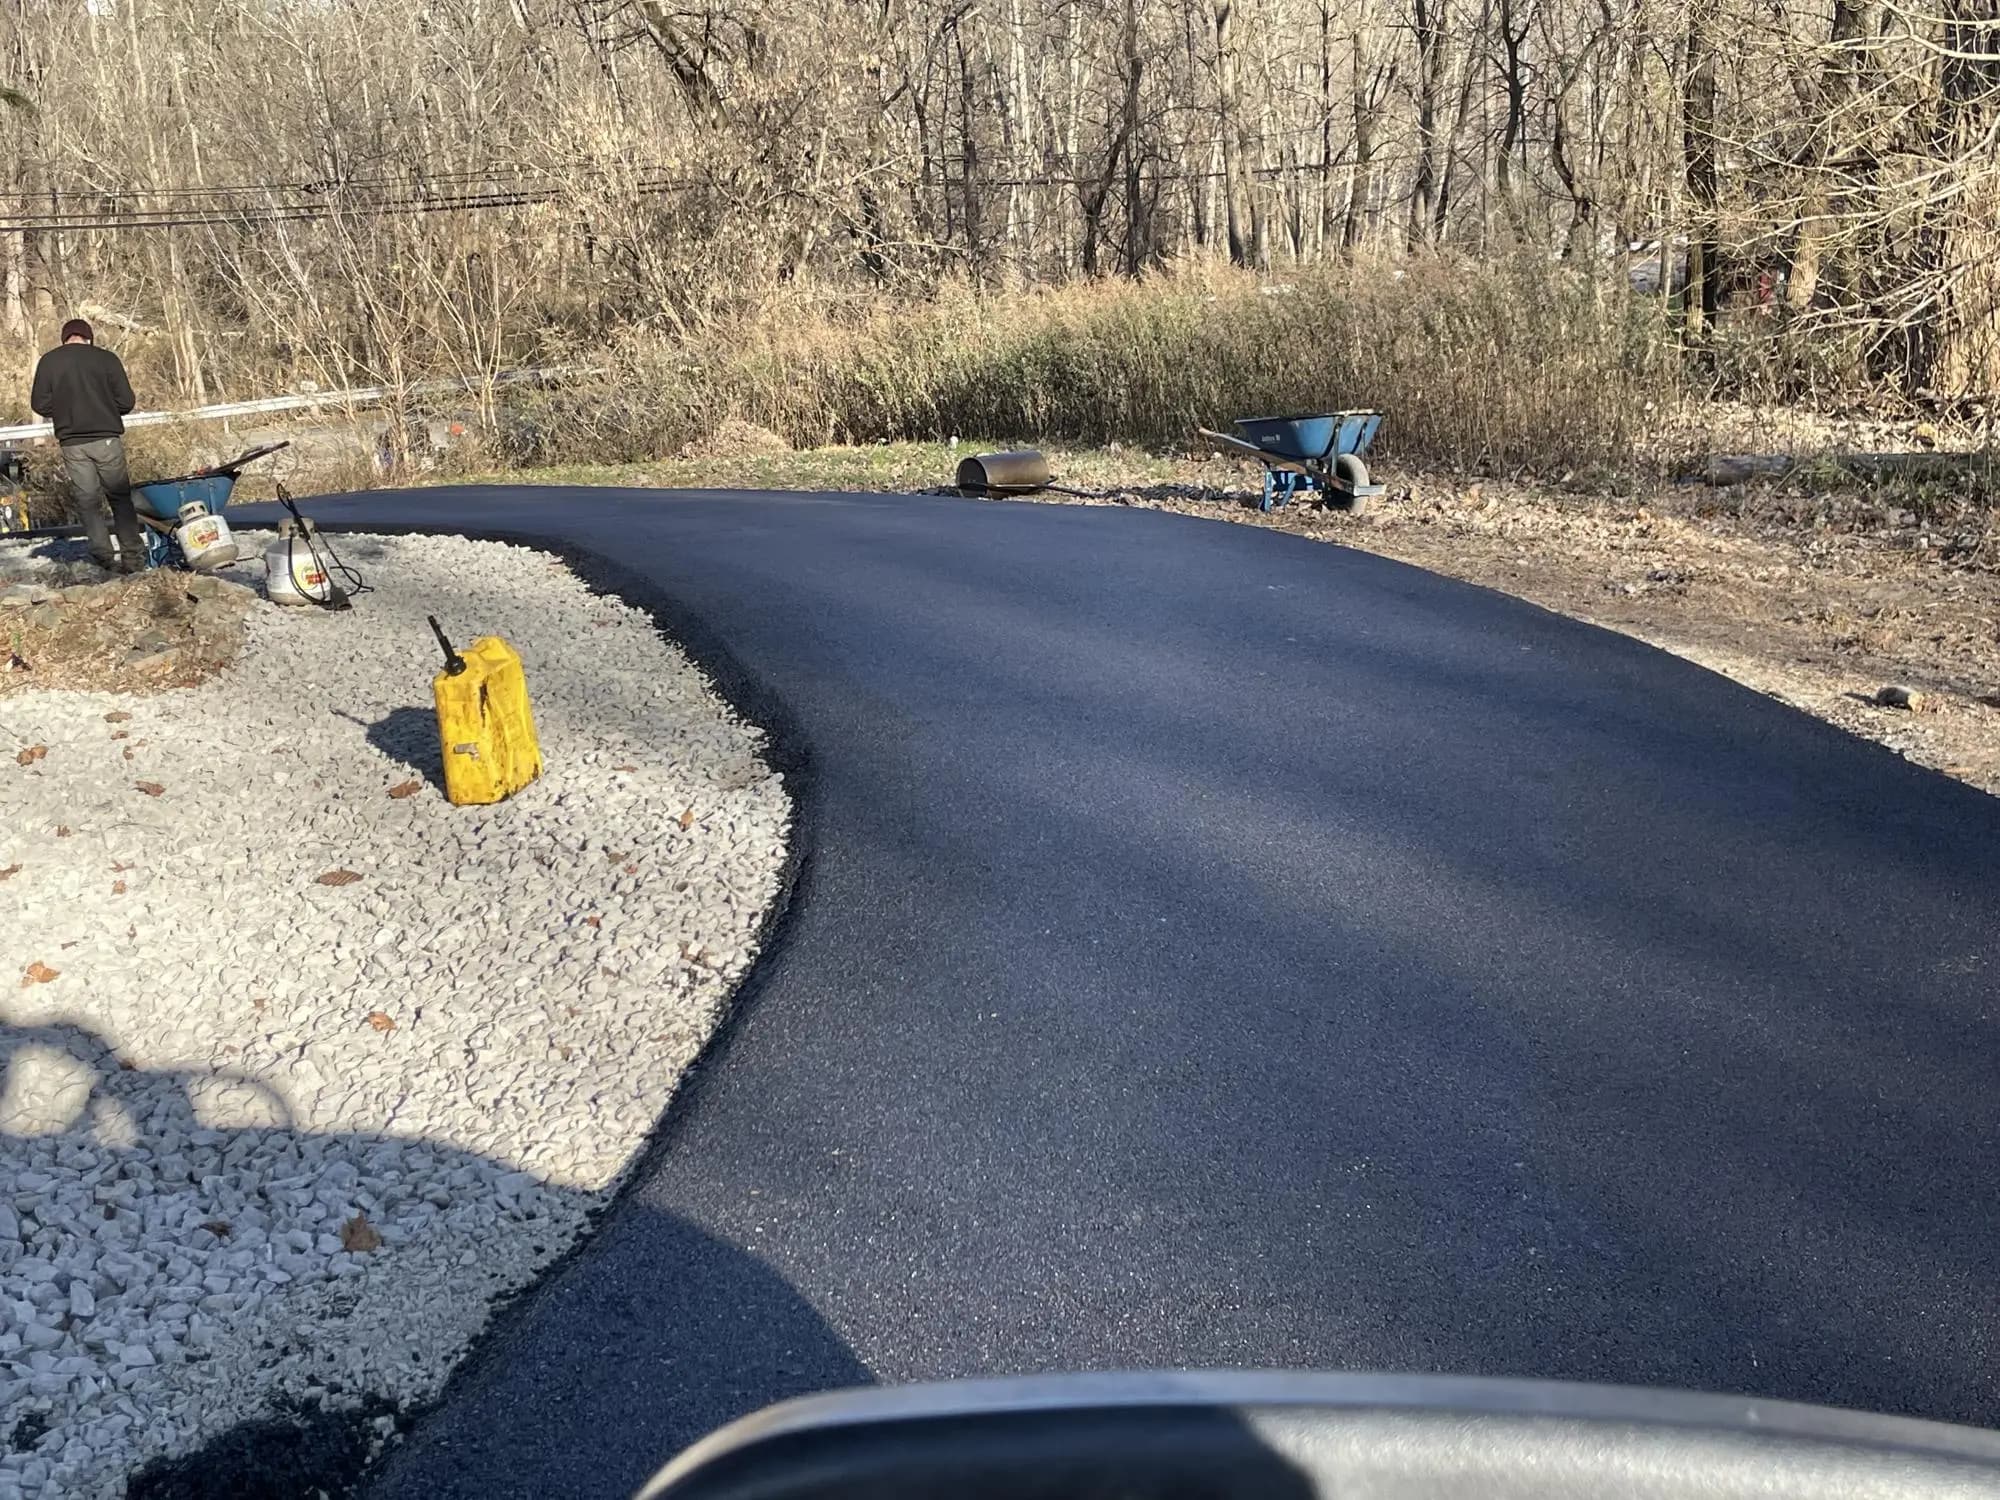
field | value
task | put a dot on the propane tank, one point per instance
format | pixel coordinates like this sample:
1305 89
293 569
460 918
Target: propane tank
292 574
204 538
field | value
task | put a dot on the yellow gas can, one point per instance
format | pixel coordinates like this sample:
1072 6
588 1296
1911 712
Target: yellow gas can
485 727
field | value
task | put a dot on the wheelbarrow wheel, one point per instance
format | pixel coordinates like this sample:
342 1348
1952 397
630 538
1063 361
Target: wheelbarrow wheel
1349 475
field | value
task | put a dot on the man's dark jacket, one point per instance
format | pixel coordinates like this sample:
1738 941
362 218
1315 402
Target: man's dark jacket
83 390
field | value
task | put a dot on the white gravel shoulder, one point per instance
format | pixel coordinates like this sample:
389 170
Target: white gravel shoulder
268 1143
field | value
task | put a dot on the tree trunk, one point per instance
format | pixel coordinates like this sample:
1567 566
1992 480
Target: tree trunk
1246 227
1024 136
1428 18
1967 359
1448 156
1325 126
969 183
1138 234
13 282
1514 85
1361 196
1704 283
1835 136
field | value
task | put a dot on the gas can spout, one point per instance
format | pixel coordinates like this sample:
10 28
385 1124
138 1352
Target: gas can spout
453 662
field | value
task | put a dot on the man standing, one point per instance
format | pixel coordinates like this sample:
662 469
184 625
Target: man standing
82 389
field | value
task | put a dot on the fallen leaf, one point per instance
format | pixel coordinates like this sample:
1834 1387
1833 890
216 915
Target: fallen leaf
565 1050
128 752
117 887
612 856
631 869
10 872
381 1020
587 921
30 755
404 789
150 788
687 820
122 735
62 830
116 716
624 768
358 1236
222 1229
119 867
258 1002
38 973
337 877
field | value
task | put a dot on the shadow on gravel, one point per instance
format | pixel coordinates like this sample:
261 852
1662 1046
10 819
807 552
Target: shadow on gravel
722 1336
409 736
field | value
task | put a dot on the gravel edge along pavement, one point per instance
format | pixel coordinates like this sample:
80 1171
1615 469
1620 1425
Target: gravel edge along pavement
302 1068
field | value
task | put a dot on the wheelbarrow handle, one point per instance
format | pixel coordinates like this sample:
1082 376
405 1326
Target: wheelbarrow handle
243 460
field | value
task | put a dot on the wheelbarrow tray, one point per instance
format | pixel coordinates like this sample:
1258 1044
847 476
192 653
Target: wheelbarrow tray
162 499
1319 438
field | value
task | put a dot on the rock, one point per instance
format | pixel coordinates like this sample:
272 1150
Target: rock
1910 699
22 594
160 658
45 616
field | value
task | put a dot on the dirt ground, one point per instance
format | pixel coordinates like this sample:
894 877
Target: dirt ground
70 625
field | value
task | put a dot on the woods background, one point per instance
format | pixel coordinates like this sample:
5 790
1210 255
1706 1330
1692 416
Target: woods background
893 217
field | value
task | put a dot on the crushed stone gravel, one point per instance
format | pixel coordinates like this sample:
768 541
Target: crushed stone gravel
273 1144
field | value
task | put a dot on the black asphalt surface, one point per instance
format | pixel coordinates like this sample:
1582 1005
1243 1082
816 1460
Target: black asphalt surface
1218 948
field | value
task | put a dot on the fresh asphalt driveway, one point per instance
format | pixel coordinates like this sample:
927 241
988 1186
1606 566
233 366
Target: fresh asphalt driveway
1218 948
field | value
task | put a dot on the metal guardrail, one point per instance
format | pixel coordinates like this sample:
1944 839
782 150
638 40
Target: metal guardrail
367 395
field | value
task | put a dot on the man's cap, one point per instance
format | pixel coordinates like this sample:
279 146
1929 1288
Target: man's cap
76 328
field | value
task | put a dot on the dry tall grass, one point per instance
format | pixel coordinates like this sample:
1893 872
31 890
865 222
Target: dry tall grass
1516 365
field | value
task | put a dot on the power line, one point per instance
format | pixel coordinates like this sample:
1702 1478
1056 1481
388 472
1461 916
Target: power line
320 186
497 188
249 216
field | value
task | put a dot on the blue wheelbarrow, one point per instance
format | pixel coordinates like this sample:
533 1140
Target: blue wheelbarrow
1305 455
182 518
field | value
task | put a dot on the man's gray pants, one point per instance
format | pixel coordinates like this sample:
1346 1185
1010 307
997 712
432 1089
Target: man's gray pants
96 472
